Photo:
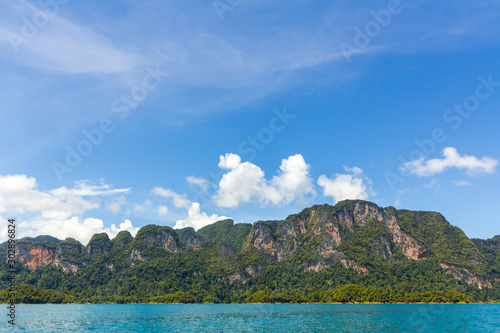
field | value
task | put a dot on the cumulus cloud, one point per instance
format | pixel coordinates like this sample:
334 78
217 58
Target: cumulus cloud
451 159
346 186
56 212
126 225
245 182
196 218
199 182
162 210
291 183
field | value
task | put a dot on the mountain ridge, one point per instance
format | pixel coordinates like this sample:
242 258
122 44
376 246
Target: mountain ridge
354 240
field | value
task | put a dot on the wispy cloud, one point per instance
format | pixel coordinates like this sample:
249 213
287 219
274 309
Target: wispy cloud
461 183
60 45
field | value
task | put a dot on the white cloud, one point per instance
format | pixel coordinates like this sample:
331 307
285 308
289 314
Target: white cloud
74 227
84 188
116 205
200 182
461 183
57 212
245 182
451 159
20 195
196 218
292 182
241 184
346 186
162 210
126 225
142 208
180 201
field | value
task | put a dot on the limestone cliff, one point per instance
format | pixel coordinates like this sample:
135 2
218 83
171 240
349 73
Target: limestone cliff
194 242
40 254
329 226
327 231
353 234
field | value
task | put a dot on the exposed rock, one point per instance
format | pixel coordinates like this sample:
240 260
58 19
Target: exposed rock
135 254
152 235
253 270
194 242
339 257
329 225
38 255
237 278
410 247
465 274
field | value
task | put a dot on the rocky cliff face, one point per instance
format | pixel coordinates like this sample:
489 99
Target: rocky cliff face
316 238
465 274
152 235
35 255
329 227
194 242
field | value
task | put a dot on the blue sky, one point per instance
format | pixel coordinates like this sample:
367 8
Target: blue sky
118 114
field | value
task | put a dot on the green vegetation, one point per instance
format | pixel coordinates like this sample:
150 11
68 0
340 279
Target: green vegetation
352 293
226 232
140 270
447 243
26 294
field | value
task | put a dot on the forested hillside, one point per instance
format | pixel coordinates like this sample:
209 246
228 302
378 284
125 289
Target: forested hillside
354 251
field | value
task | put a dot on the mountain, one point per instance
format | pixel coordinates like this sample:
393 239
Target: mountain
302 257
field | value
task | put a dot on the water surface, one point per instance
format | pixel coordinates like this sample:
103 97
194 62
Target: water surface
258 318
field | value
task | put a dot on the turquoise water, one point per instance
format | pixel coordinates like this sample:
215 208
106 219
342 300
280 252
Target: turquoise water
258 318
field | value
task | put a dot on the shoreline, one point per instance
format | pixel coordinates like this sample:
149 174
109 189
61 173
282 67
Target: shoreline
350 303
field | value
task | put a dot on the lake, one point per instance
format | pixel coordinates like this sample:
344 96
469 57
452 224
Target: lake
258 318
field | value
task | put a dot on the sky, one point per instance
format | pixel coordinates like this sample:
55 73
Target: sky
118 114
